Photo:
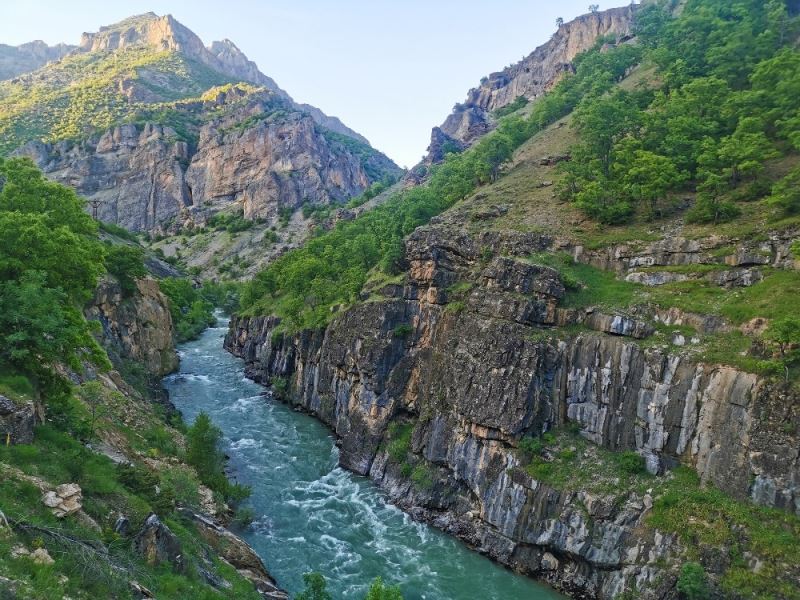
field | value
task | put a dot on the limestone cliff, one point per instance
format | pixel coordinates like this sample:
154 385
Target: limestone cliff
529 78
249 150
470 377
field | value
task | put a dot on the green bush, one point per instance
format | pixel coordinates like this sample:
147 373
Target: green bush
630 462
380 591
693 583
126 264
203 452
316 588
402 331
399 441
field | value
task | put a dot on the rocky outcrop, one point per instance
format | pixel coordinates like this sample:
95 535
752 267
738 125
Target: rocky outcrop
16 60
156 544
260 156
65 500
135 175
16 422
273 165
138 328
146 176
236 552
471 382
529 78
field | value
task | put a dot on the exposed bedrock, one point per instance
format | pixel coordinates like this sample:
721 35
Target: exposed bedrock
471 382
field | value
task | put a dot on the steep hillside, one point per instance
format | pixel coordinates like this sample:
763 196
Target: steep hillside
104 492
528 79
575 346
142 114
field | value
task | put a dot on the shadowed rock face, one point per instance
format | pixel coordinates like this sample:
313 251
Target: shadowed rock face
531 77
16 422
472 382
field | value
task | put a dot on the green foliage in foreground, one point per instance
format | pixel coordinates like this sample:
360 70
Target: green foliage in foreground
731 79
317 589
50 260
306 284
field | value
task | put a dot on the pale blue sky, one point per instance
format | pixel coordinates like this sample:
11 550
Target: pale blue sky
390 70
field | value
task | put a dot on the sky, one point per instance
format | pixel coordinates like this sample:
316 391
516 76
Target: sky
391 70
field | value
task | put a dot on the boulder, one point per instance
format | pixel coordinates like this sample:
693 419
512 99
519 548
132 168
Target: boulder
65 500
156 544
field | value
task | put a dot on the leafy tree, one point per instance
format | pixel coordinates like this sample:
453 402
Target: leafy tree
786 193
203 452
593 8
559 21
40 327
647 176
126 263
316 588
379 591
785 333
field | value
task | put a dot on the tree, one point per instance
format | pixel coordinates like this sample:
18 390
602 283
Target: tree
203 451
559 22
316 588
646 176
593 8
126 263
93 395
786 193
379 591
785 333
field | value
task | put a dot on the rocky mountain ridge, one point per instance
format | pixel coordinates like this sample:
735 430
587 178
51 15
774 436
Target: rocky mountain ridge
530 78
175 108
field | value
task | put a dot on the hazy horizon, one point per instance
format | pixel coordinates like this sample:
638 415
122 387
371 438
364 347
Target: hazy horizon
390 72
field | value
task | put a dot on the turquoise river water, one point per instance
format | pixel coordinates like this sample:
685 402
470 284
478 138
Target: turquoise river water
312 515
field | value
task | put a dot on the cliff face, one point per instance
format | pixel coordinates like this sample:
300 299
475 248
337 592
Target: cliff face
474 375
259 155
530 78
136 329
173 111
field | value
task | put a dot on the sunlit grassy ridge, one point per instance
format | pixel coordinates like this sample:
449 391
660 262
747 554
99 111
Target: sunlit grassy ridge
83 93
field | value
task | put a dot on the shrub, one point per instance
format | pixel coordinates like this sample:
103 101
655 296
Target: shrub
399 436
692 582
379 591
316 588
402 331
126 263
630 462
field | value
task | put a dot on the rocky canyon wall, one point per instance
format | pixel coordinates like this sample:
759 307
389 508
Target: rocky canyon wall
470 377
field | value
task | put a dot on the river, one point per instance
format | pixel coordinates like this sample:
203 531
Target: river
312 515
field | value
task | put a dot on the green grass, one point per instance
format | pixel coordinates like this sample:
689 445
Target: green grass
564 460
707 517
587 285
